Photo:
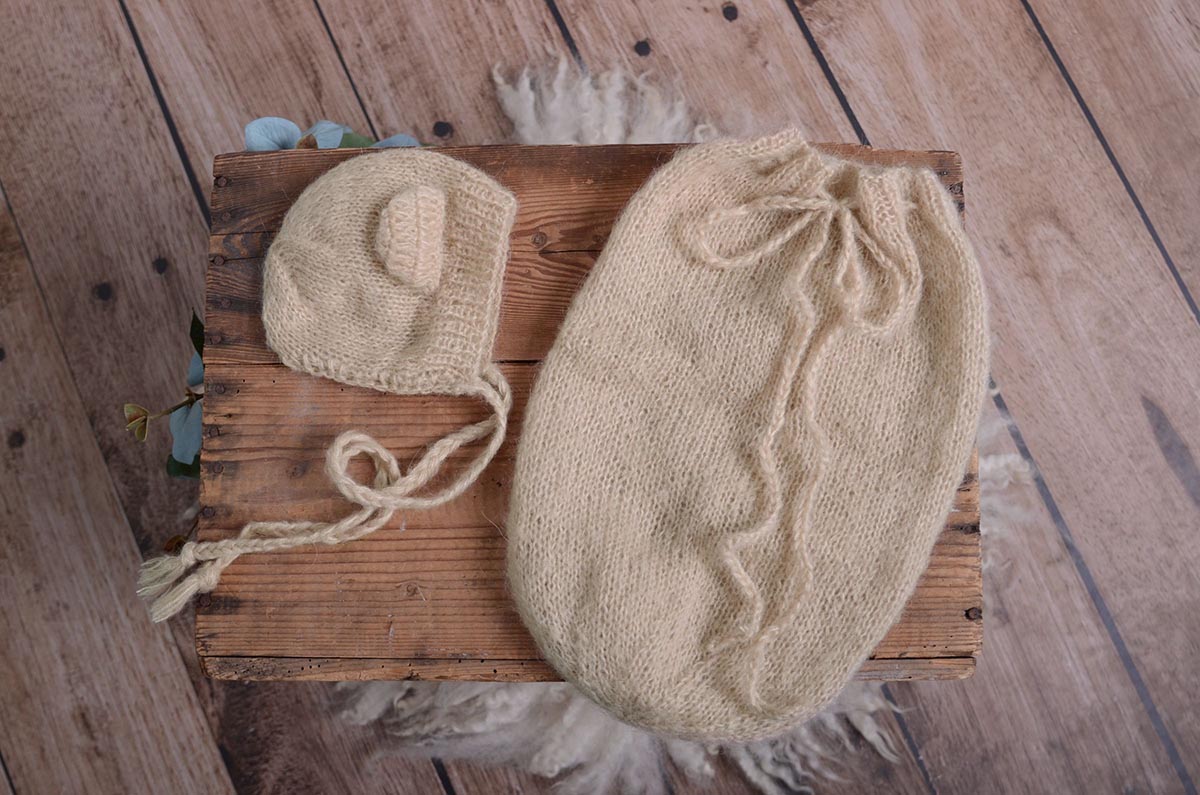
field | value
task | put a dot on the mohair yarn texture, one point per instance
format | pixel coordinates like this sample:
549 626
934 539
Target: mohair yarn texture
747 436
386 273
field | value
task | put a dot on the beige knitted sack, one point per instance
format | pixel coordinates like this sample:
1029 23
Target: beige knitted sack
747 436
386 274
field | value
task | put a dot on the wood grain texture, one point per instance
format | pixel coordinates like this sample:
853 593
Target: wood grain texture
1102 397
435 593
365 669
571 195
433 61
756 75
467 777
286 737
222 63
538 288
101 198
92 691
1139 74
114 236
1076 727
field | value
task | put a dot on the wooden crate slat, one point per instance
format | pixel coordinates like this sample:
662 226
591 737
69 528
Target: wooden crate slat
341 669
538 288
267 431
569 195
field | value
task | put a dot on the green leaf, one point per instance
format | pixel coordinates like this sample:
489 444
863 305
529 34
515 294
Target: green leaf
353 140
197 333
177 469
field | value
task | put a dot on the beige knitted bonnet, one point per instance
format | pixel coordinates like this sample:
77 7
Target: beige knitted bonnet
386 273
747 436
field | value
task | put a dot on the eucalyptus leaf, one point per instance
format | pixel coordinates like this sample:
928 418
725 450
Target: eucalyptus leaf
353 140
177 469
187 428
195 374
328 134
400 139
271 133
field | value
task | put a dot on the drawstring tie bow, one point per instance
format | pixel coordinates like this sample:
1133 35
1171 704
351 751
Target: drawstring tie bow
826 229
169 582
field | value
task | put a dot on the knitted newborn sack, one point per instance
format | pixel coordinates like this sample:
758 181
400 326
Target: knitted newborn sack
386 274
747 436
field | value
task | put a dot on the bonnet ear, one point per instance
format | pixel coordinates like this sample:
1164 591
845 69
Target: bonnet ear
409 240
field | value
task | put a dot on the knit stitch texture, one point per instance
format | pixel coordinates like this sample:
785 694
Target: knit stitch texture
747 436
424 322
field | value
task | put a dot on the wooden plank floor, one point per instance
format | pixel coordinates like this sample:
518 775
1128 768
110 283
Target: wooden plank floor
1076 122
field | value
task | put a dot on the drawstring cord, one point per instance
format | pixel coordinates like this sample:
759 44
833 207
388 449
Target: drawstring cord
169 582
801 357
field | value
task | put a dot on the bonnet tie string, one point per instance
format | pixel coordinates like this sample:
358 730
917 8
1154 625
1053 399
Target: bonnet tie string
170 581
834 234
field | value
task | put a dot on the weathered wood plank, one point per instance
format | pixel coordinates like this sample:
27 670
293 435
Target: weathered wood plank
93 693
286 737
569 195
1095 348
440 582
538 288
1139 74
221 63
363 669
114 235
427 71
755 76
118 236
120 275
1030 717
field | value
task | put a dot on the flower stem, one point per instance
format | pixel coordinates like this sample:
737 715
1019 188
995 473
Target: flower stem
190 400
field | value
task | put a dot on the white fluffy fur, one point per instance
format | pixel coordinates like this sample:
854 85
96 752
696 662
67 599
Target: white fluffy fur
551 730
569 106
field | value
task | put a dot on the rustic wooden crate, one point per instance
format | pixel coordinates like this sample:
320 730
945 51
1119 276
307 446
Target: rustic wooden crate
428 600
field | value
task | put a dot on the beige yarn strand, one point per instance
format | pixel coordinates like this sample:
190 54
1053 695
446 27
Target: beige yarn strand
798 363
200 564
